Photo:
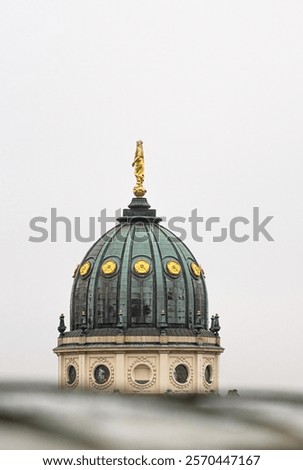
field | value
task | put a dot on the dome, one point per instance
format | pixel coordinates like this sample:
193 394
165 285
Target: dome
139 274
139 313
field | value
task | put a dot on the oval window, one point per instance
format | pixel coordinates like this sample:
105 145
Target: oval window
142 374
208 374
101 374
181 374
71 375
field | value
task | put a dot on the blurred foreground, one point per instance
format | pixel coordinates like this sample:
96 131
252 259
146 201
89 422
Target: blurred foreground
41 417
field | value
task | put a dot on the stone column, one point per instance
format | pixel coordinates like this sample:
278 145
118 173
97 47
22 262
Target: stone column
163 375
120 373
83 372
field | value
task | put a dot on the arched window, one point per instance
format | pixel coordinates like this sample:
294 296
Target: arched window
175 302
107 302
141 301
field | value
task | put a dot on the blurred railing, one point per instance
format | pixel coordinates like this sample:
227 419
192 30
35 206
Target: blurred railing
37 416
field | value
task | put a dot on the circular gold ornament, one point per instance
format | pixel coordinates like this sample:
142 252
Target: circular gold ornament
196 270
109 267
85 268
141 266
173 267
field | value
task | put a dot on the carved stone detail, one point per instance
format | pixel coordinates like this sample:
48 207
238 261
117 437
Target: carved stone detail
99 362
71 361
141 360
179 361
208 361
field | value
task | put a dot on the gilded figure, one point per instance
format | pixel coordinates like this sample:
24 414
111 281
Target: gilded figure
138 165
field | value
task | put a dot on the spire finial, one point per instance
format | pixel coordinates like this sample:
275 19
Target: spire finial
138 165
61 327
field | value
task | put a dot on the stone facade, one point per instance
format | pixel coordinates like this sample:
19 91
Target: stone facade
149 365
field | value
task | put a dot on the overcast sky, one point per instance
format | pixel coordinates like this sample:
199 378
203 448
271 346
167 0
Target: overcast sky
214 89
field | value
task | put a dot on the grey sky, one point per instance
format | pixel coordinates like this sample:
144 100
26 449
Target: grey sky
214 89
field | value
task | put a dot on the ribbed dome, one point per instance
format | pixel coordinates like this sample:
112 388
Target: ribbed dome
139 274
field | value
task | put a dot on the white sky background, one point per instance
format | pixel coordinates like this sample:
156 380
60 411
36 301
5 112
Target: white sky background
214 89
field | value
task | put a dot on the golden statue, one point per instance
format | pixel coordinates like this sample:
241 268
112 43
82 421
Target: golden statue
138 164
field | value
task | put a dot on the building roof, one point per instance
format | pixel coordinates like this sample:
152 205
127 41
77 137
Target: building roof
139 275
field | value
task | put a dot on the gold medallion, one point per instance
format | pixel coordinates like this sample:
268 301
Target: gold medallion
141 266
196 270
173 267
85 268
109 267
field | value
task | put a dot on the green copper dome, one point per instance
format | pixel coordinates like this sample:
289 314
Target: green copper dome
139 274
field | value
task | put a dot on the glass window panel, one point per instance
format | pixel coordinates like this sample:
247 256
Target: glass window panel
71 375
176 302
181 374
101 374
107 302
141 303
